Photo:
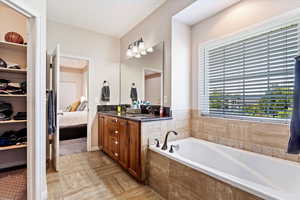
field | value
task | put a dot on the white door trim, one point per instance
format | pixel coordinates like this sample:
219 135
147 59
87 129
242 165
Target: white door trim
36 98
89 126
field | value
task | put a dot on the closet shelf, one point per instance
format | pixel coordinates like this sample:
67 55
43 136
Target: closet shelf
4 44
13 95
13 147
13 121
17 71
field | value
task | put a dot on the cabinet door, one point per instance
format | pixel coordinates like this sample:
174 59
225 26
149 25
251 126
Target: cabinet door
123 143
106 133
134 167
101 132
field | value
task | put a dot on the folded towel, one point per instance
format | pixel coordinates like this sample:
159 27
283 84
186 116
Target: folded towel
105 93
294 143
133 94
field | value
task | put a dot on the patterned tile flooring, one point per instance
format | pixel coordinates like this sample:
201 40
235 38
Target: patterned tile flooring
94 176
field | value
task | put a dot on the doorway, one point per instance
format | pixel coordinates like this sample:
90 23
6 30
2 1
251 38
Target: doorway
153 86
73 105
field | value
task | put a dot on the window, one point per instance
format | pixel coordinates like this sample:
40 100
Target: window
253 76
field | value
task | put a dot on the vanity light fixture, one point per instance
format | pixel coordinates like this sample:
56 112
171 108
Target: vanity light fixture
141 44
144 52
129 51
150 50
137 49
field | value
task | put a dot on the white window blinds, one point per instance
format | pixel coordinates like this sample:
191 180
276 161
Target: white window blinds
254 76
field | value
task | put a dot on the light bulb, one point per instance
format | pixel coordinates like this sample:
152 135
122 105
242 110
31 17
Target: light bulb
129 53
150 50
144 52
135 48
141 44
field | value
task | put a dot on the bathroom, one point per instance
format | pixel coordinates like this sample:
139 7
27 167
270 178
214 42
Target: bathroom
177 100
194 142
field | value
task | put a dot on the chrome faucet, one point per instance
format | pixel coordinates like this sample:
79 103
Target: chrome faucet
165 145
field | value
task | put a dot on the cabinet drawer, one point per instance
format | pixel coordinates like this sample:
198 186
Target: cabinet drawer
114 147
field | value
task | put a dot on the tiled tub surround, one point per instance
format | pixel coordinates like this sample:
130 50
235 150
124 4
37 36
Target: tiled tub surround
158 129
201 170
260 137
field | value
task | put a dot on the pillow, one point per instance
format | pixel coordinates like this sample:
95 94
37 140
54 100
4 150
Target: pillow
82 106
68 108
74 106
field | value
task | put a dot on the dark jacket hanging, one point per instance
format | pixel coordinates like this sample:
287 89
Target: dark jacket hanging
133 94
105 94
294 143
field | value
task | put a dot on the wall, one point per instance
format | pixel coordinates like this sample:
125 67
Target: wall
71 80
181 66
156 28
104 52
16 23
266 138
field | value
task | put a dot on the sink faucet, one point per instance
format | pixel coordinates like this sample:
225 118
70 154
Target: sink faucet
165 146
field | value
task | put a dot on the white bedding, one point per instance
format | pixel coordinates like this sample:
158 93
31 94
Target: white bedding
73 118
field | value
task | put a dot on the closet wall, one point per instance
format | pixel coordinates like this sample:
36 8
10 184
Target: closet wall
13 54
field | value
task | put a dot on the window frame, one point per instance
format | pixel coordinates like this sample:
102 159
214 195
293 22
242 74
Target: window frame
289 18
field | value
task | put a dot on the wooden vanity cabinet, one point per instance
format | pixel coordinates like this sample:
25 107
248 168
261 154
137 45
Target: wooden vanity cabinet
134 167
120 139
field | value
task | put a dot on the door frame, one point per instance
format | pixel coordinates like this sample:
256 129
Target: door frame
89 125
36 98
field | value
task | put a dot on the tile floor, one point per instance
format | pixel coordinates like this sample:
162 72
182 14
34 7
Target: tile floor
94 176
67 147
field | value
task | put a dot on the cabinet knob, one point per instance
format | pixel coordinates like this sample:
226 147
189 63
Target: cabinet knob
116 142
116 132
116 155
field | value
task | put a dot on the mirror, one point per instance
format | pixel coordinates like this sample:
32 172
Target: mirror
142 78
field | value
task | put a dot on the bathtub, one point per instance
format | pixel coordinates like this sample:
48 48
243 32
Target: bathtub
266 177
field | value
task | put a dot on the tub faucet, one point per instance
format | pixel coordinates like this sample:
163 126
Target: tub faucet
165 145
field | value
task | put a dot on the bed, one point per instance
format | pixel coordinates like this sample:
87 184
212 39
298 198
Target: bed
73 125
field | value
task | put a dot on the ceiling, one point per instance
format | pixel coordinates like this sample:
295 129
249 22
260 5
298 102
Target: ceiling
203 9
110 17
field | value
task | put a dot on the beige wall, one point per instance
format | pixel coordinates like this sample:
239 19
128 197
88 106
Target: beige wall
154 29
71 79
181 66
104 52
266 138
16 23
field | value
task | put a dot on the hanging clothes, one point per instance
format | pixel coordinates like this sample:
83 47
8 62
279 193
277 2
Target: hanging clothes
52 112
294 143
105 93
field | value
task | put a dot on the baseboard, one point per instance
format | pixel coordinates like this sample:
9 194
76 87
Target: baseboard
95 148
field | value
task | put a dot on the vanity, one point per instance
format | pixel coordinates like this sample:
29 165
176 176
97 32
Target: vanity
120 137
125 137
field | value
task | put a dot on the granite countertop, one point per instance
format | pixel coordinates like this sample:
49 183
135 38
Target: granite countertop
135 117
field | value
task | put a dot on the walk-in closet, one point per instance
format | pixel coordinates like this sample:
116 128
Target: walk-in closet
13 104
